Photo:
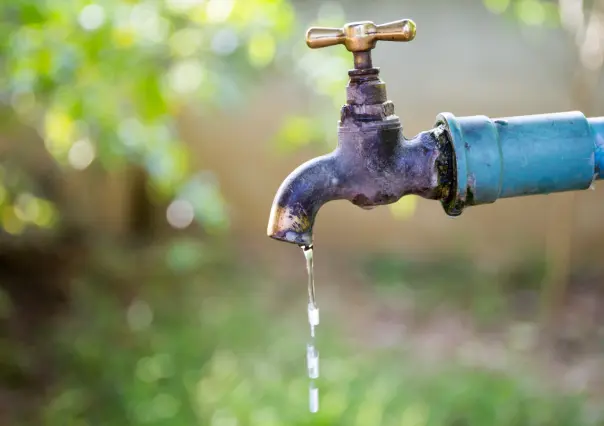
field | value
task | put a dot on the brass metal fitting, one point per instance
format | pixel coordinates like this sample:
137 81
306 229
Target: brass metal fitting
360 37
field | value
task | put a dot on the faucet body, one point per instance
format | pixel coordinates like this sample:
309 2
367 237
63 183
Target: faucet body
462 162
373 163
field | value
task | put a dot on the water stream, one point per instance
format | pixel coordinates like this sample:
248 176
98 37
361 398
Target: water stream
312 355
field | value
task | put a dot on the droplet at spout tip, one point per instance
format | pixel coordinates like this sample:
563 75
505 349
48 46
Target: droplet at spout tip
301 239
289 224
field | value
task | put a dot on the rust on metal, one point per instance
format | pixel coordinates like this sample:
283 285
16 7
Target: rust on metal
373 164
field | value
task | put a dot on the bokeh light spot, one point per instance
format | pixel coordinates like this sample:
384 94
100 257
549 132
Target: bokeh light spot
11 223
131 131
47 214
58 129
186 42
27 208
81 154
225 42
165 406
180 214
92 17
404 208
151 369
218 11
185 76
531 12
139 315
147 23
261 49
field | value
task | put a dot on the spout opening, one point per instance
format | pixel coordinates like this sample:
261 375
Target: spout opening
302 240
290 225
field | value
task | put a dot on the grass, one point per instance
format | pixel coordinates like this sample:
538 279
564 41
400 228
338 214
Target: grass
456 283
201 348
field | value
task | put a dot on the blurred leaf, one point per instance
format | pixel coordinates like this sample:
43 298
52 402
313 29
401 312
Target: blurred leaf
81 69
186 255
261 49
150 101
30 13
296 132
528 12
59 132
531 12
10 222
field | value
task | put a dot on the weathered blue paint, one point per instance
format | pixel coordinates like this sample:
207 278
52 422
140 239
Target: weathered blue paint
516 156
597 127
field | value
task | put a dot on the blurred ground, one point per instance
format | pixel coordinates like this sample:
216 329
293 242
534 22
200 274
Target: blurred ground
197 335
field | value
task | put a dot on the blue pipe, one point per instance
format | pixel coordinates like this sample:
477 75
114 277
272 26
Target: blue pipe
597 126
526 155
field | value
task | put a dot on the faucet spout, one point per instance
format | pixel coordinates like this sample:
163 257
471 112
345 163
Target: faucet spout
300 197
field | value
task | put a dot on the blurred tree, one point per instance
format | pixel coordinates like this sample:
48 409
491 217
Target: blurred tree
106 81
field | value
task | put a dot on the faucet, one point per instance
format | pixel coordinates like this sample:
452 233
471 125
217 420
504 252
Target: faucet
461 162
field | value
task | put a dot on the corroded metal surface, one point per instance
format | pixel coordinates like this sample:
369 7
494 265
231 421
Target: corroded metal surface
372 165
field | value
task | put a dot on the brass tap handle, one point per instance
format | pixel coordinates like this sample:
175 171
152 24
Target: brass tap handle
361 36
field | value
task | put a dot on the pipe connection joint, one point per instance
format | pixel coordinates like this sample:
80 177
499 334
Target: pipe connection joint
518 156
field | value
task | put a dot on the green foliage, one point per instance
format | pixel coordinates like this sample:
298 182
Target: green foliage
108 80
455 282
20 208
206 350
325 73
